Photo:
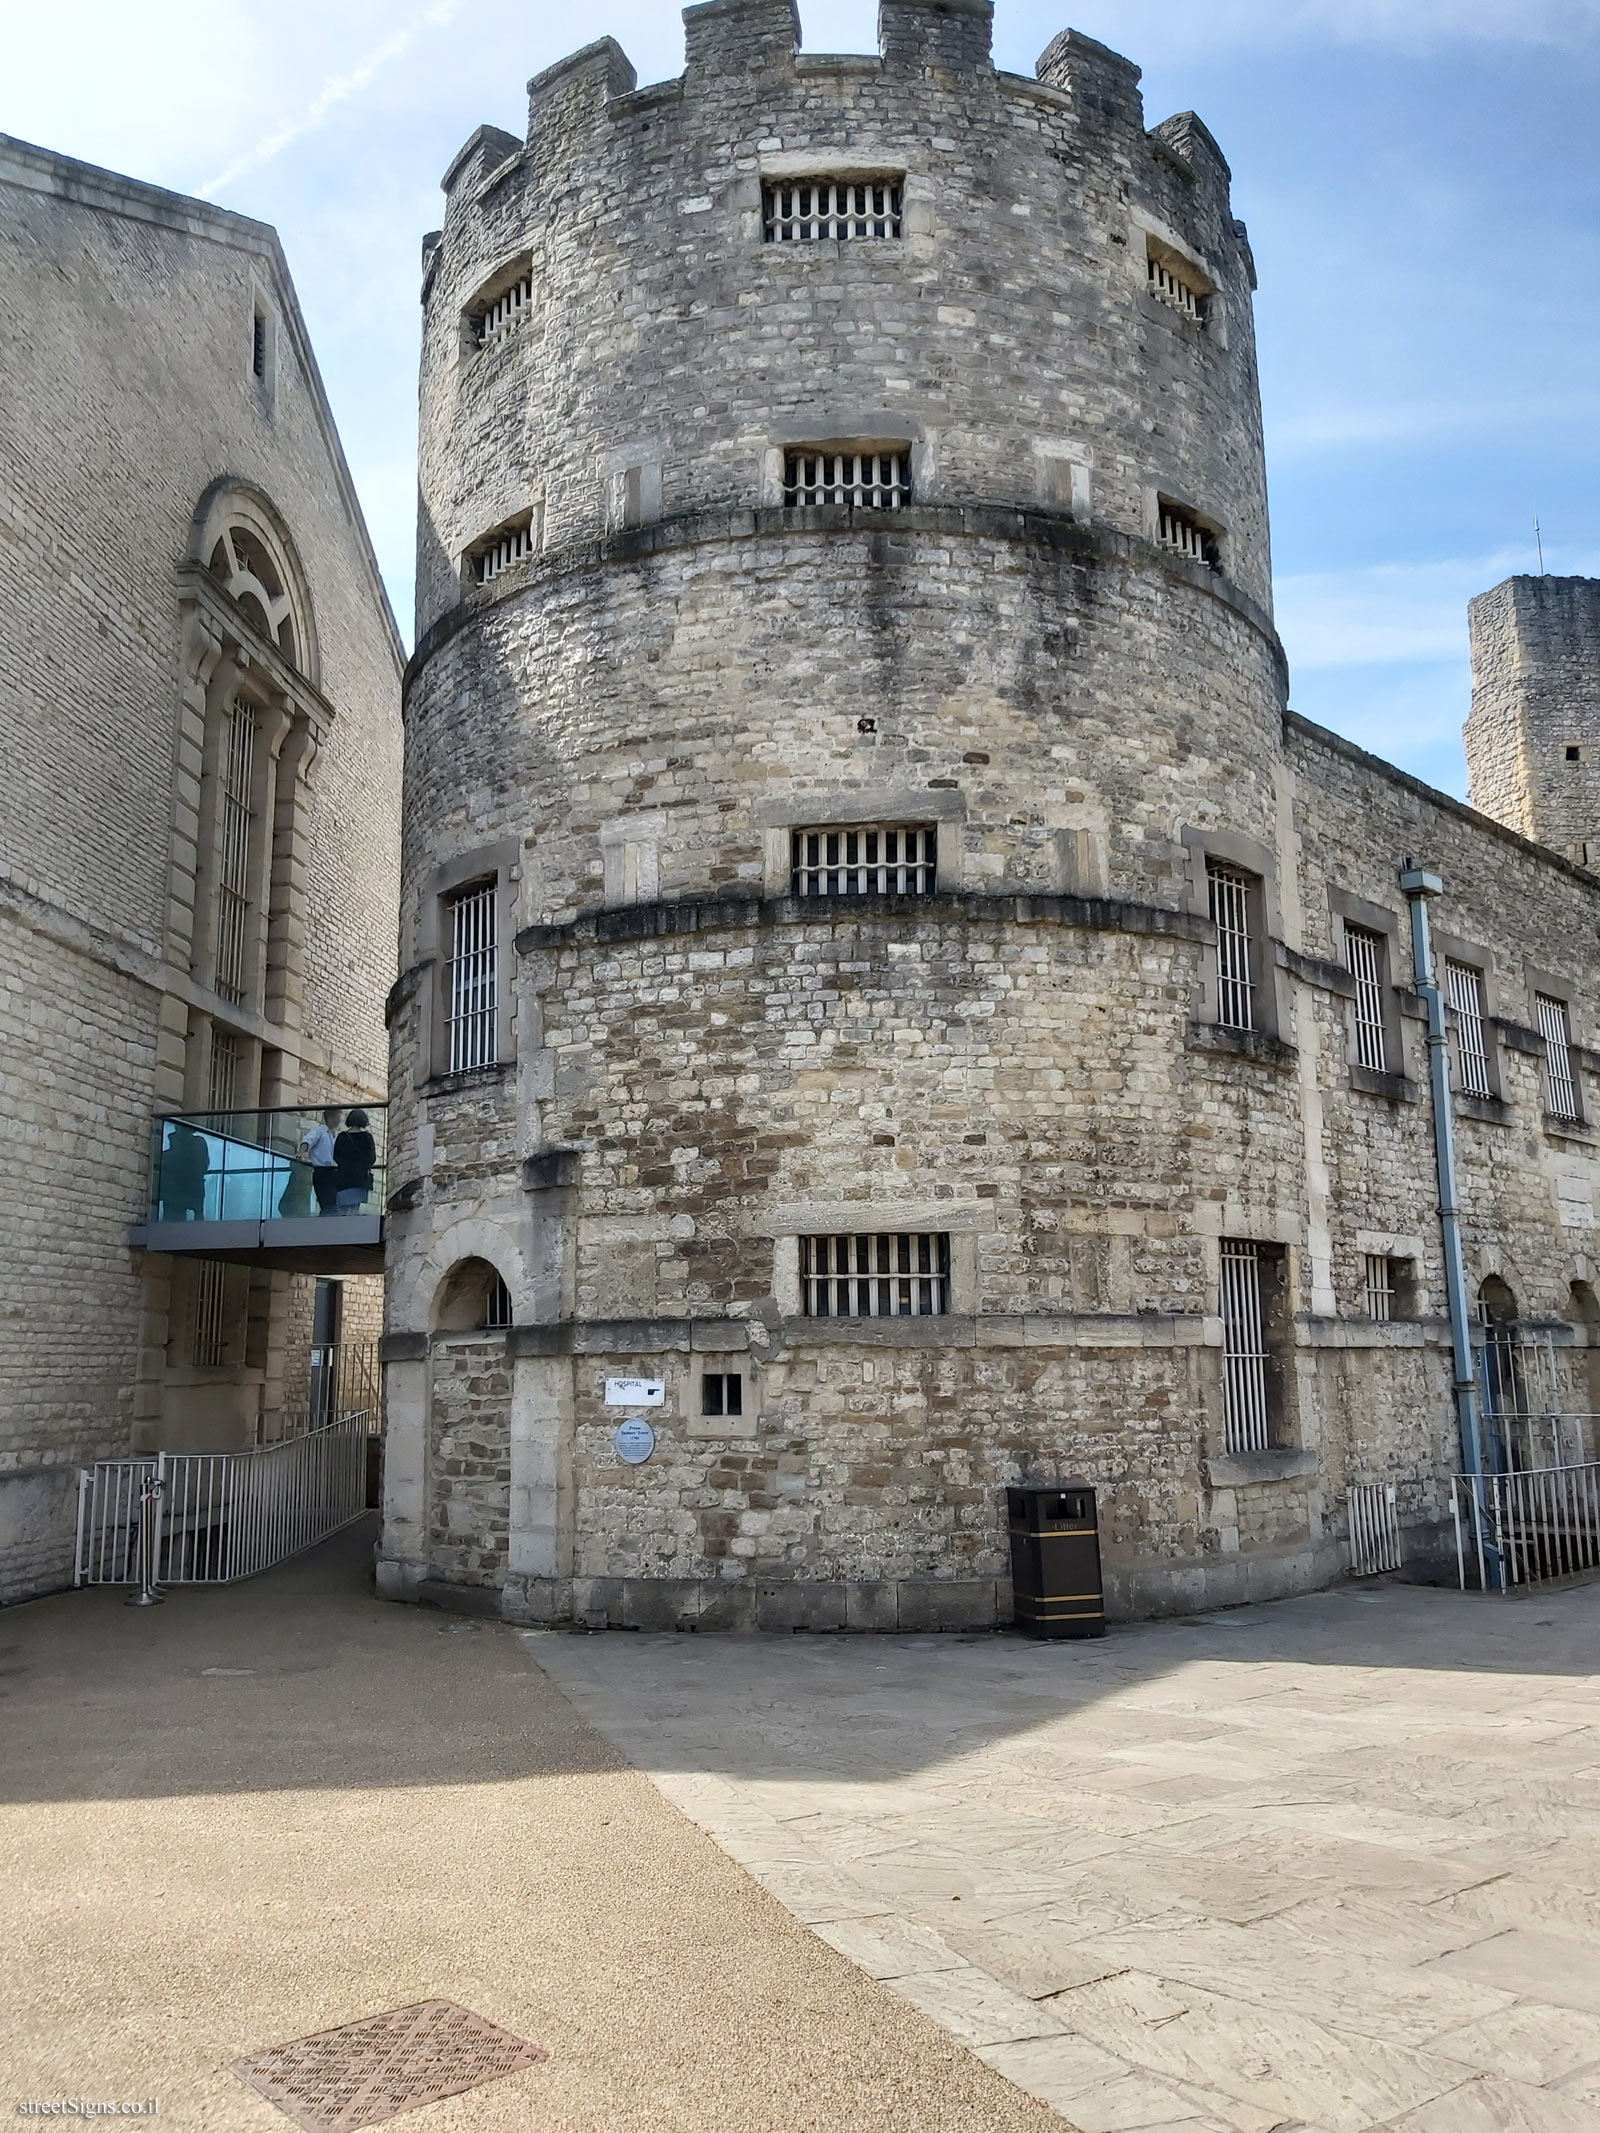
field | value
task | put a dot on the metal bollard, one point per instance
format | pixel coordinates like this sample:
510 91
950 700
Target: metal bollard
149 1498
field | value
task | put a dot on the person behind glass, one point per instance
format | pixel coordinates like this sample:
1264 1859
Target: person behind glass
354 1154
184 1164
317 1148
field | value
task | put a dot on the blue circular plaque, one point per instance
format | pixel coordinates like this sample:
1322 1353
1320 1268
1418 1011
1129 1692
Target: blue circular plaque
634 1439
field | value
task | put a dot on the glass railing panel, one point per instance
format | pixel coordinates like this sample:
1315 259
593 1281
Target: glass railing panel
297 1164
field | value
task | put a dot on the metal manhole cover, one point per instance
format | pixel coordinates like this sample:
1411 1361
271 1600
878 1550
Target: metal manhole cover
367 2071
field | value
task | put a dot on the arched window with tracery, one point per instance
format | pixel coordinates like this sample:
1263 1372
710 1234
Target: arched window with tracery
242 564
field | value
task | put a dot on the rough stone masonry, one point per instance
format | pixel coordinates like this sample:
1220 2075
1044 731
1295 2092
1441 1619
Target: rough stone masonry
880 959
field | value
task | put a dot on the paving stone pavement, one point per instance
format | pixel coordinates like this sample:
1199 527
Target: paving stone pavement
1326 1866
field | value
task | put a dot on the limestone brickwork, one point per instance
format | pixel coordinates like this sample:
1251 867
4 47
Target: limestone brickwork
695 1068
161 393
1533 737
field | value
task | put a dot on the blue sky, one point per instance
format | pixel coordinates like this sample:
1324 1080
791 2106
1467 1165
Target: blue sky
1419 176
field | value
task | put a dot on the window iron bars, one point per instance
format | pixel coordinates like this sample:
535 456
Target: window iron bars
222 1072
867 481
1560 1088
504 314
721 1393
817 210
473 979
238 748
1182 533
1230 890
869 858
1245 1421
1463 985
1174 291
888 1275
513 545
1363 955
210 1298
1379 1285
497 1305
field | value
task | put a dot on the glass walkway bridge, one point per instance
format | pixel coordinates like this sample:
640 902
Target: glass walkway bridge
299 1189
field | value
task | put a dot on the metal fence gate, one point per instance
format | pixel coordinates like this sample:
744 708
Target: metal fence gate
220 1515
1527 1528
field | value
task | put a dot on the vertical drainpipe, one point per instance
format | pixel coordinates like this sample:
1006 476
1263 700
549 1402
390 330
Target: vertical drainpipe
1417 885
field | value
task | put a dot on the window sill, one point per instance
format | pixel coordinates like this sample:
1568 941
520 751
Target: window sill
484 1077
1255 1044
1368 1081
1243 1470
1577 1130
1490 1109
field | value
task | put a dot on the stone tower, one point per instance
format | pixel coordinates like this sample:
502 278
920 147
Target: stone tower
1533 736
843 635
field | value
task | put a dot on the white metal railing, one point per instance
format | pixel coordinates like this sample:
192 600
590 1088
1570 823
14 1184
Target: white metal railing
1246 1423
507 311
1229 889
1560 1091
1183 533
220 1515
513 545
814 210
868 481
1529 1528
1374 1529
1174 290
1363 953
474 983
867 858
1463 985
902 1275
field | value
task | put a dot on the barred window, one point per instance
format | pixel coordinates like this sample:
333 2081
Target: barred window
223 1074
1244 1350
234 840
883 1276
867 859
473 978
1379 1286
1169 284
1463 987
497 1305
721 1392
815 210
1179 530
868 481
503 314
1231 893
1363 954
1560 1087
208 1333
510 544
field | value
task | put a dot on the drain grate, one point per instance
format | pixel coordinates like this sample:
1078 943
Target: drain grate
367 2071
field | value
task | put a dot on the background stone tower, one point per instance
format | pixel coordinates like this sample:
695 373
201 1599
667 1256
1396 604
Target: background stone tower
825 461
1533 736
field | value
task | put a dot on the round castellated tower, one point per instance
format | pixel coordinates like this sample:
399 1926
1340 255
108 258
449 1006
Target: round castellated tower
843 647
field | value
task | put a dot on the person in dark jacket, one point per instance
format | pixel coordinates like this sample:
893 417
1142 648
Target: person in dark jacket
354 1154
184 1163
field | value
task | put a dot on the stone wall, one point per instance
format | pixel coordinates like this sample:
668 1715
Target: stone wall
1533 737
128 317
470 1505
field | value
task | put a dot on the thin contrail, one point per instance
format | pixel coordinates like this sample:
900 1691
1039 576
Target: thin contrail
338 90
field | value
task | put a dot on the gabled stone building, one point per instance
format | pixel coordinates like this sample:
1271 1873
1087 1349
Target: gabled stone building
892 998
198 826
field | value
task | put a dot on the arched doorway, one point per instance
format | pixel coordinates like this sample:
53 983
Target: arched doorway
469 1448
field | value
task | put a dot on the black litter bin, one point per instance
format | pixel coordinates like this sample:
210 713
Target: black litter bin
1055 1560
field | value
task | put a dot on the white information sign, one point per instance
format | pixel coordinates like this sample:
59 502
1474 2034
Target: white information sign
634 1439
636 1392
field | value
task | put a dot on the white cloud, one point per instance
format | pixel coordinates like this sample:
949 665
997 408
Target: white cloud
1385 614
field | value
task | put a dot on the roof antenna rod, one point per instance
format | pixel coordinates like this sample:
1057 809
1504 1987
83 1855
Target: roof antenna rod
1539 540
